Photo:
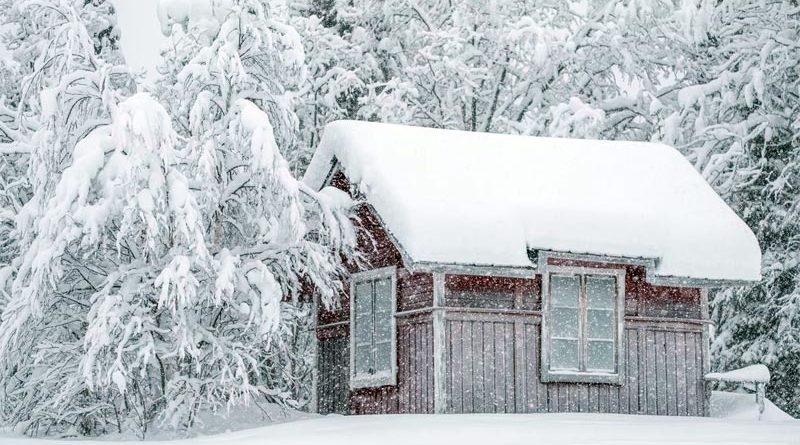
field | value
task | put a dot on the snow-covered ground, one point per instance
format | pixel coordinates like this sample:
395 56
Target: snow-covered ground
738 427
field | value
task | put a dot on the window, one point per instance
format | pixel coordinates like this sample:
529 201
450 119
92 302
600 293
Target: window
372 339
582 324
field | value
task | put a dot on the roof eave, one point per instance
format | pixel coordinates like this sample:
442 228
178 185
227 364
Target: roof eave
649 264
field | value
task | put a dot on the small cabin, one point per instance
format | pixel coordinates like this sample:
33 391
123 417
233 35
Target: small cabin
515 274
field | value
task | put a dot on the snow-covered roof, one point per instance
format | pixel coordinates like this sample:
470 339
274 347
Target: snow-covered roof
470 198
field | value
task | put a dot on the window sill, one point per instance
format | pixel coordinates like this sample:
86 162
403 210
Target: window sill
581 377
373 380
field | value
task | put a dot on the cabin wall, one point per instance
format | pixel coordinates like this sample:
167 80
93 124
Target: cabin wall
493 366
493 357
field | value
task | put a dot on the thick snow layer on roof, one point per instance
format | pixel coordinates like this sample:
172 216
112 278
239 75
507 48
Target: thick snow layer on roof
485 199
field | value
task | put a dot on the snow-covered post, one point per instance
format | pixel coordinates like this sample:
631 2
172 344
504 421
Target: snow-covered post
761 389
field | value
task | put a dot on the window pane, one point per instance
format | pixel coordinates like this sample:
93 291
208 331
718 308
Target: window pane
383 310
600 292
601 356
383 330
364 298
363 359
564 291
383 296
600 324
564 322
363 309
564 354
383 356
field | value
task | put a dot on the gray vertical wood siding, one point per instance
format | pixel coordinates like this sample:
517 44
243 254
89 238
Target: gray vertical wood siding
493 366
333 368
415 364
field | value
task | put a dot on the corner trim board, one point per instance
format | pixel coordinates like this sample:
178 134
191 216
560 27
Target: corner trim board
439 345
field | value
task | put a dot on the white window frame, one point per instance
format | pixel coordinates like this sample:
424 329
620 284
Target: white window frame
383 379
549 375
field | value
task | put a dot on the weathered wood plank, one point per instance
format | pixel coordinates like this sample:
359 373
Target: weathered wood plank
650 373
702 365
602 398
588 398
456 366
499 367
479 378
661 373
537 395
681 373
469 403
415 370
629 394
427 362
402 368
692 404
669 369
613 398
520 358
426 389
511 359
448 356
489 377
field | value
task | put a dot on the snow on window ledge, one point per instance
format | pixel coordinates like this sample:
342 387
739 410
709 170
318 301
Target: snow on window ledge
360 381
551 376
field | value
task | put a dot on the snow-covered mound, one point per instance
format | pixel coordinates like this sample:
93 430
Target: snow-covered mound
737 425
730 405
485 199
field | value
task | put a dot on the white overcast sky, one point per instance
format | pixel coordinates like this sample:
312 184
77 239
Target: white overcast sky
141 33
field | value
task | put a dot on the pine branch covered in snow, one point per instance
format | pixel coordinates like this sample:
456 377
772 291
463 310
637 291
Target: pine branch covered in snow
34 35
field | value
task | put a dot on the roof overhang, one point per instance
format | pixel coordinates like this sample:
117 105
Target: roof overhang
541 256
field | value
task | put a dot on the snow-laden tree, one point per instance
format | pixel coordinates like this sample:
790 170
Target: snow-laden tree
740 125
579 68
229 66
158 272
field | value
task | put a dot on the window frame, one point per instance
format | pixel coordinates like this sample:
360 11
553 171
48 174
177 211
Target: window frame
383 379
550 375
